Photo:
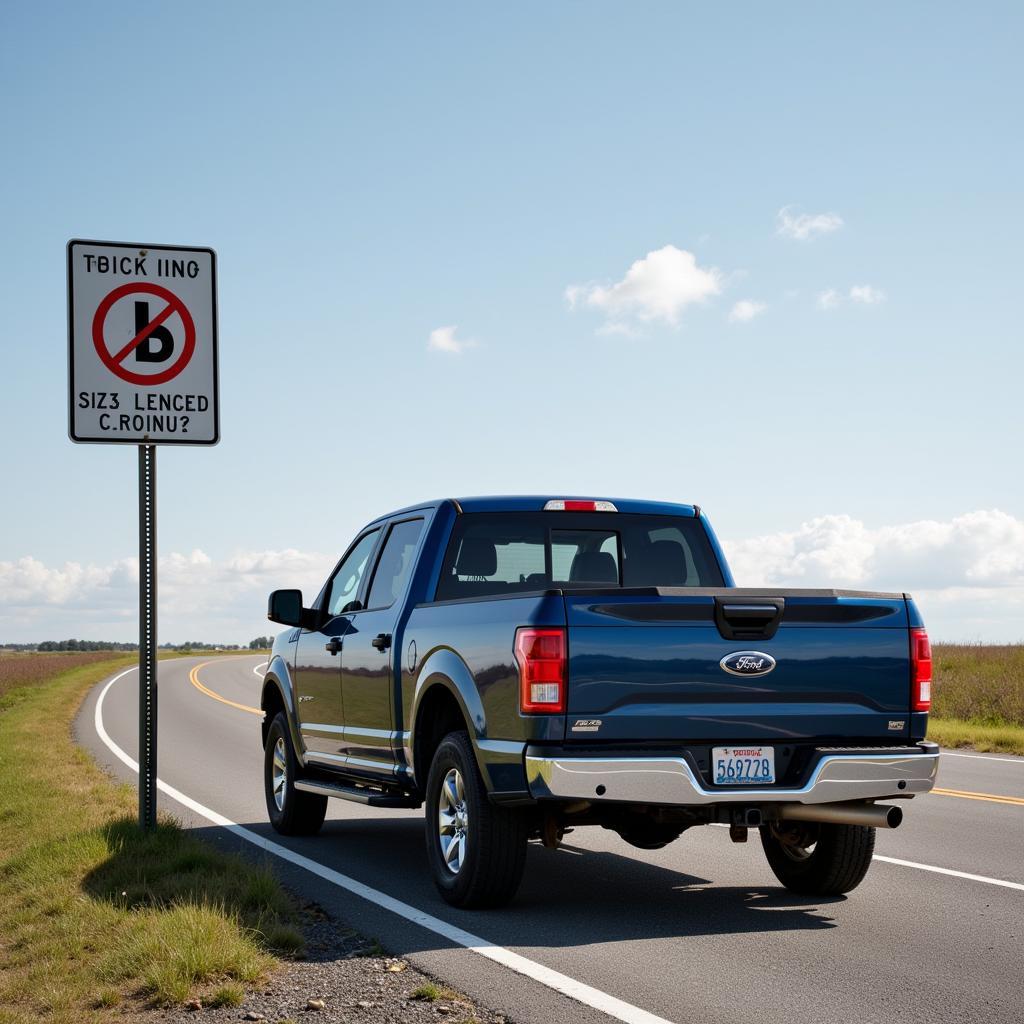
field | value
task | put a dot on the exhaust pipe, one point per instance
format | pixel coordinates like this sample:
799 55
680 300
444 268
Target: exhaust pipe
874 815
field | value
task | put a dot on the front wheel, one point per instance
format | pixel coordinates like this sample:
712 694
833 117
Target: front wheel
476 849
818 859
292 812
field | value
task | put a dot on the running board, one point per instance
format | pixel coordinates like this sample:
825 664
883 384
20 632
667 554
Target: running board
357 794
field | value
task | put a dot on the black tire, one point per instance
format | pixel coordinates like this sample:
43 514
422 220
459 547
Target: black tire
493 847
815 859
300 814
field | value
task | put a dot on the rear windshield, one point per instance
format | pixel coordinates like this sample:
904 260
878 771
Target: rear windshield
503 553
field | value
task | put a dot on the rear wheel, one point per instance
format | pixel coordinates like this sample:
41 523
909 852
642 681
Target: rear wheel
292 812
818 859
476 849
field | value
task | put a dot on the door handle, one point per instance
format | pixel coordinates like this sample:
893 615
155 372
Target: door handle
382 641
333 645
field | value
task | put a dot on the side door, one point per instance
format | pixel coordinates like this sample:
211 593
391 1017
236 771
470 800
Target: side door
370 652
317 673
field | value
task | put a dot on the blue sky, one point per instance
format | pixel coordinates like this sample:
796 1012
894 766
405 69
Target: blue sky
370 175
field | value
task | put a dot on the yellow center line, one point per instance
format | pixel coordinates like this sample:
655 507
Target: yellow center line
194 680
991 797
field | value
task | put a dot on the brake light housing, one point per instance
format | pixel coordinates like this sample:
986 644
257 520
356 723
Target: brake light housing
579 505
542 656
920 670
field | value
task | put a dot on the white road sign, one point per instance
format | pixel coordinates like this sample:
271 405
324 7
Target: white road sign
142 344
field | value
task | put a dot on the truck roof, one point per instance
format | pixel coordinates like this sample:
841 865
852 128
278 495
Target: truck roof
536 503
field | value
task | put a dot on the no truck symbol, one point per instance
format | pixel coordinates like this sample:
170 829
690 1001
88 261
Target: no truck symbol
161 334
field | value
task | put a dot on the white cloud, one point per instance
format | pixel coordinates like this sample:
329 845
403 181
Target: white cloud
966 573
865 293
803 226
745 310
200 598
442 339
658 287
829 299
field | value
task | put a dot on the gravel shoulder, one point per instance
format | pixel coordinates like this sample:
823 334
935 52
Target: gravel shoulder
343 977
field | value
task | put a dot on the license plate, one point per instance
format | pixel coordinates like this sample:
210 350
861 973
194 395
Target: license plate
743 766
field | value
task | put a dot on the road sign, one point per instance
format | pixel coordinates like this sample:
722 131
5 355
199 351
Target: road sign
142 344
142 362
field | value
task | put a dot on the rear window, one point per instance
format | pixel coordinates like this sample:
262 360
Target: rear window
494 553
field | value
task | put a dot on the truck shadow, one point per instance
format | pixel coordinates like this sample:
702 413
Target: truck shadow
571 897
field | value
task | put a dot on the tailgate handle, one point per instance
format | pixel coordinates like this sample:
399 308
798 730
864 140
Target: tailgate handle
737 621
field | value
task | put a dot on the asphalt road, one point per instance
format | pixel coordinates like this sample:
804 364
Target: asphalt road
699 931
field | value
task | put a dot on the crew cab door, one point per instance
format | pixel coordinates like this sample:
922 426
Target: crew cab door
371 653
317 673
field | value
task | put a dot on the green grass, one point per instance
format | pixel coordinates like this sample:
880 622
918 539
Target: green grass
955 732
978 697
94 914
431 993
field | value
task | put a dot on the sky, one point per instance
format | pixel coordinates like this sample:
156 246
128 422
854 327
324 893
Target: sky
765 258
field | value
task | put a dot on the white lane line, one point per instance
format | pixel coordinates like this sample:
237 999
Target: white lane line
984 757
256 668
577 990
950 871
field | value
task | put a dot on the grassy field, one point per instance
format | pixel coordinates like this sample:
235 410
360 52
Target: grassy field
95 917
978 697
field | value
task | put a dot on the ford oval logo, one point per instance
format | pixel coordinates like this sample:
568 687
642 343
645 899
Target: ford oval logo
748 663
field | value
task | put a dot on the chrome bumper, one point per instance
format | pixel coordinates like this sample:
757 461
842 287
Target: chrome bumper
668 781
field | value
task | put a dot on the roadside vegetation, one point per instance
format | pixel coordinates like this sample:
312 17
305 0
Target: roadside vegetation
978 697
96 918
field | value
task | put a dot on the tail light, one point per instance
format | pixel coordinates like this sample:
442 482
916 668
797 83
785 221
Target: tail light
541 655
920 671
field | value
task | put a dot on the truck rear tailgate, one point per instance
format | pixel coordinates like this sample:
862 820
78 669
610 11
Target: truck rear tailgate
648 666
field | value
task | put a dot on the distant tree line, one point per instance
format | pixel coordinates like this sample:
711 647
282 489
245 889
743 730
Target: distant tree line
258 643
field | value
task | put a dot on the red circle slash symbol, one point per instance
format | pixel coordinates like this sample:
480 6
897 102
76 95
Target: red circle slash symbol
114 361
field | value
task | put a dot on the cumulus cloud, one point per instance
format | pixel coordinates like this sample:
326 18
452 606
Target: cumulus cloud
200 598
442 339
953 566
656 288
745 310
803 226
829 299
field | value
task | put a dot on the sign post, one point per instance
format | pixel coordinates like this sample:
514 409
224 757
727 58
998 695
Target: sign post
142 362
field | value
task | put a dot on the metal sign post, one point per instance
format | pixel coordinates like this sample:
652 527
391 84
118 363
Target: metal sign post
147 635
142 369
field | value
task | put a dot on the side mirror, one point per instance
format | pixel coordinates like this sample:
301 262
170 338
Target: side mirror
285 606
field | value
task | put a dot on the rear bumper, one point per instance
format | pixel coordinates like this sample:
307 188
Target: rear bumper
671 781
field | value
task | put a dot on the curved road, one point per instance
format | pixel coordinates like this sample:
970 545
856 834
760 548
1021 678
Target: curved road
699 931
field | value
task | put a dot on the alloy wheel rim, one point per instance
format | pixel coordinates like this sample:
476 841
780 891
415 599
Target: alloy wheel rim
279 773
453 821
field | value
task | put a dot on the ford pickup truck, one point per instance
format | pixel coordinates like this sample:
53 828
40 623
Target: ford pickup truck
523 666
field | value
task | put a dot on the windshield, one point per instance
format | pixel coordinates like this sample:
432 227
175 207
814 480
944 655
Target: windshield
493 553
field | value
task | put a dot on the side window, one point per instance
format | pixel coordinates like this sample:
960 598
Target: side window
344 585
395 564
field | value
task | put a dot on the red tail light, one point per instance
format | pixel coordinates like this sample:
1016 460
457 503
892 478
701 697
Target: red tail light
920 671
541 655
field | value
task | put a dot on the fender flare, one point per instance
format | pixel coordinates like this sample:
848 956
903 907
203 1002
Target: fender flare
277 678
443 667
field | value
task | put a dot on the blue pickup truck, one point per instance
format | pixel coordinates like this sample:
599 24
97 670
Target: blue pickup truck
528 665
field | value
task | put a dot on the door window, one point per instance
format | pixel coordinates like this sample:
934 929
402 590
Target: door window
344 585
395 564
